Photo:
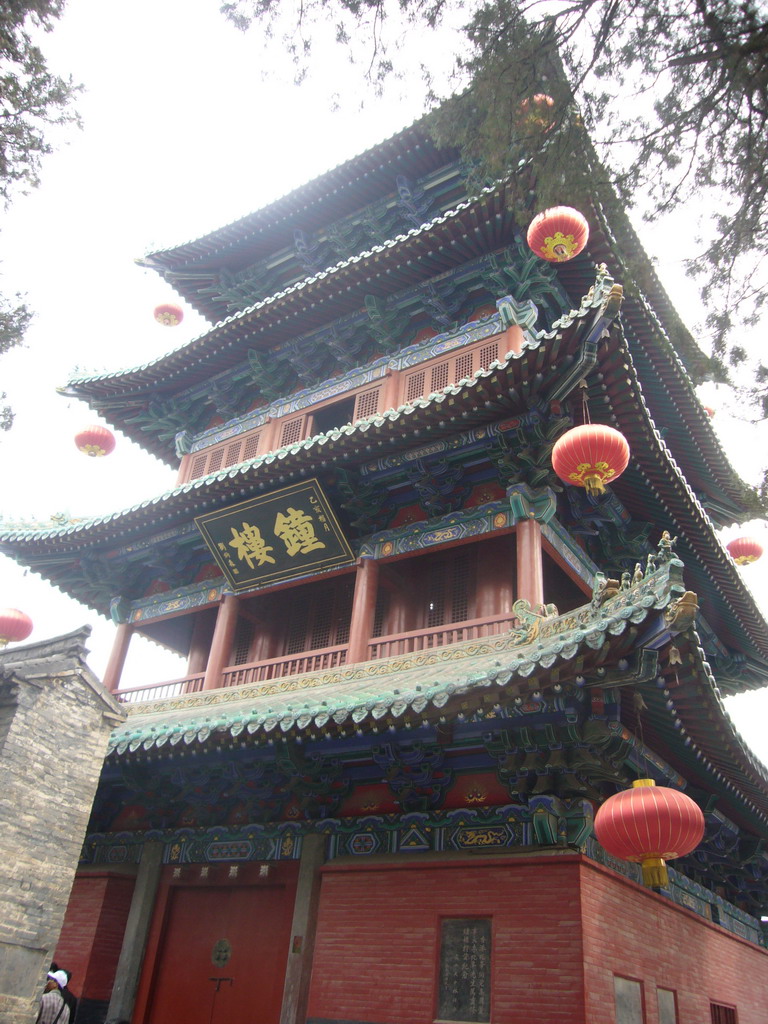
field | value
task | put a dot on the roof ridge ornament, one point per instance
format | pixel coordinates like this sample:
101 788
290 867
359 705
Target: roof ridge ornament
517 314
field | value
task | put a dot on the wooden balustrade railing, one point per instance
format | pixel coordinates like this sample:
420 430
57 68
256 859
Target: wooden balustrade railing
425 639
160 691
291 665
325 658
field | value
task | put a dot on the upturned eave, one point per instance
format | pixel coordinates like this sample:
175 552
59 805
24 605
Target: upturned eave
339 192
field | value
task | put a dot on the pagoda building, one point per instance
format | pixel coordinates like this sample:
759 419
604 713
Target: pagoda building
418 661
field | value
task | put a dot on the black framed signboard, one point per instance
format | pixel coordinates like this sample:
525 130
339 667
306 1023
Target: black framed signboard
277 536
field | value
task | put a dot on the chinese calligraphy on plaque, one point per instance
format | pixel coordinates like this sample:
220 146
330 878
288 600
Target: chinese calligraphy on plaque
278 536
465 969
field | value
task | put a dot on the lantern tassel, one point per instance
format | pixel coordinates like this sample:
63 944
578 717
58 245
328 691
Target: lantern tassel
594 485
655 874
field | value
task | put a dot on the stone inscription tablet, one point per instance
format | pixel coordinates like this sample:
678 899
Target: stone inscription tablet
465 969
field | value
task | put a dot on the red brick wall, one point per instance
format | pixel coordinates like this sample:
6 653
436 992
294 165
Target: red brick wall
561 928
92 935
376 957
635 933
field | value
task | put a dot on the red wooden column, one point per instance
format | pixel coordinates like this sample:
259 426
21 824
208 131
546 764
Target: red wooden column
530 569
198 645
363 609
134 939
117 656
221 645
298 971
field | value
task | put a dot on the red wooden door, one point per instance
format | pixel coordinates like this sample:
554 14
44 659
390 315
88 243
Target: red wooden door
251 924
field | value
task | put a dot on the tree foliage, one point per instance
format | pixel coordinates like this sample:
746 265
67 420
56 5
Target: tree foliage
14 320
660 105
32 99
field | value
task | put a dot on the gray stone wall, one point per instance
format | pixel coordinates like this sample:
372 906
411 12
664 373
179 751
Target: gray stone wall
55 720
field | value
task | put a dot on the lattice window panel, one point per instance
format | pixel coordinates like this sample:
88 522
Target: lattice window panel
438 378
198 466
320 618
241 648
463 366
233 453
379 616
450 370
226 454
251 447
414 386
436 596
296 635
344 597
292 431
460 589
487 355
367 403
322 624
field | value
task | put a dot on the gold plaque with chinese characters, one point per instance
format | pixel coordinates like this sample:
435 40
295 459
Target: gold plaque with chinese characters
278 536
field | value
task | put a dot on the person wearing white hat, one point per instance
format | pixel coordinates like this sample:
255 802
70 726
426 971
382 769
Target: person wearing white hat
53 1009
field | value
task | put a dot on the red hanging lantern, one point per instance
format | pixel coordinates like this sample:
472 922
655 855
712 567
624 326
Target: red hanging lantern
14 626
744 550
649 824
537 113
590 456
558 234
710 411
168 314
95 441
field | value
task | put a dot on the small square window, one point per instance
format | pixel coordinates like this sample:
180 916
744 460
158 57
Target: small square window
198 466
367 403
722 1014
251 447
414 386
292 431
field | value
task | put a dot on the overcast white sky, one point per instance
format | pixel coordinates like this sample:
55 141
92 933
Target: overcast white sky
182 134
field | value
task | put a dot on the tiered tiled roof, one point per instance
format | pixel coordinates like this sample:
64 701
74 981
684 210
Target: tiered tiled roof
655 486
473 229
476 227
341 191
